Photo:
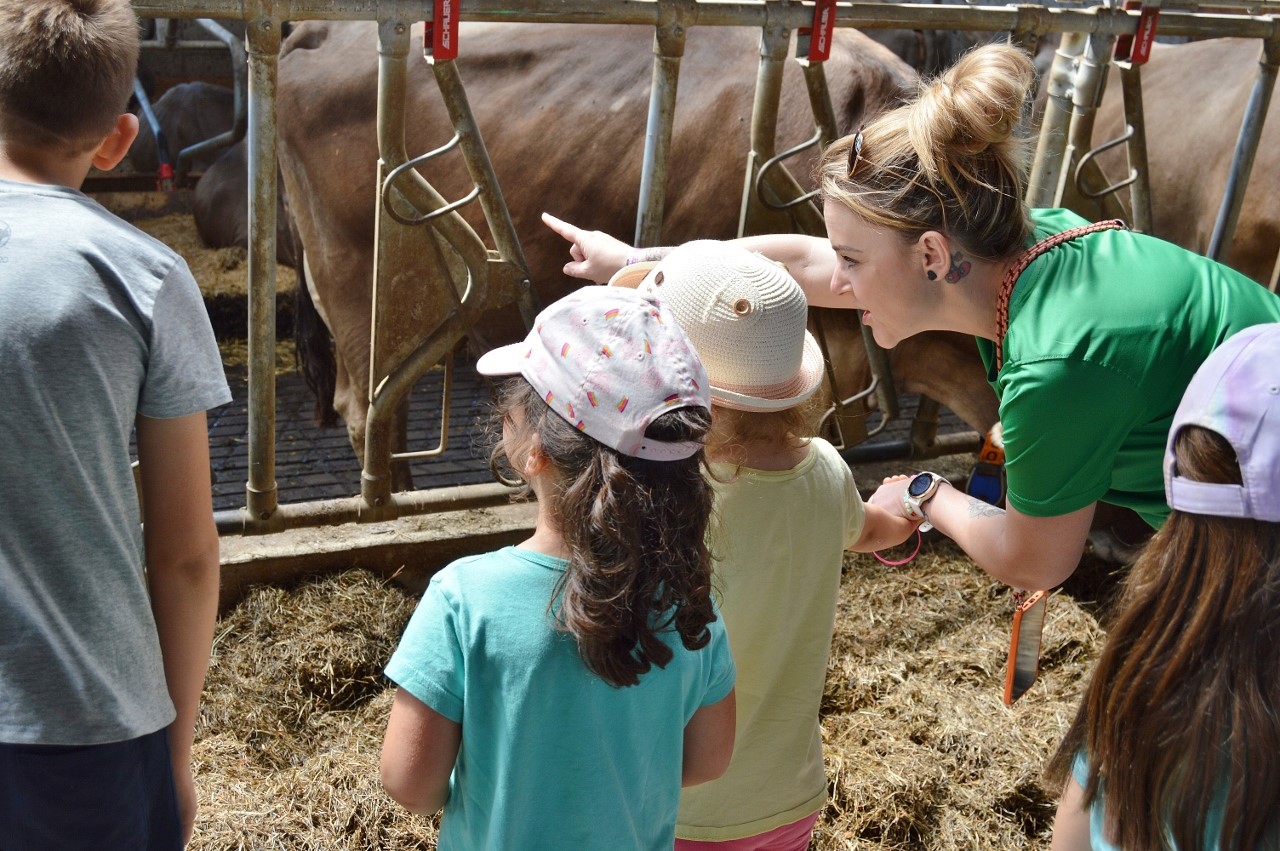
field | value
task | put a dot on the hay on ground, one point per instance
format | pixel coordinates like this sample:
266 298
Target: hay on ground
290 732
218 271
921 753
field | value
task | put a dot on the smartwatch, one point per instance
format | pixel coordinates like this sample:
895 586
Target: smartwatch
920 490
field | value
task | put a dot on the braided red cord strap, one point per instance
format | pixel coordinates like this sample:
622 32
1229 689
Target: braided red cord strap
1024 260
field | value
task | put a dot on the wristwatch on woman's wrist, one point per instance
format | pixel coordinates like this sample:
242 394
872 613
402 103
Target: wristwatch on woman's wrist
920 490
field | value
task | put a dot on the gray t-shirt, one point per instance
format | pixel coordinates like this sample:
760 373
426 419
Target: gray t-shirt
98 323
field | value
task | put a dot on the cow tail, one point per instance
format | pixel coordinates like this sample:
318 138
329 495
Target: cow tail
314 347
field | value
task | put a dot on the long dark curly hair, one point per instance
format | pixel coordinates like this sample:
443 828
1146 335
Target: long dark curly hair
639 564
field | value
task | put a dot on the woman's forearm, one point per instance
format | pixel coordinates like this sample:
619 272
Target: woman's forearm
1017 549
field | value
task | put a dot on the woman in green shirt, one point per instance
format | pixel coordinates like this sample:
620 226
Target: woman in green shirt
1089 338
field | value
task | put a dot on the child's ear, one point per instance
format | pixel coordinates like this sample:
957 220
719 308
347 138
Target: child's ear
535 460
116 144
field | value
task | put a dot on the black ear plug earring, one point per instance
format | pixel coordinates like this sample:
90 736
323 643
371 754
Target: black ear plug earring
932 275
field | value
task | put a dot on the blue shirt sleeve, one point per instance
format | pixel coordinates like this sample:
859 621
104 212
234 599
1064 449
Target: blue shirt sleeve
721 671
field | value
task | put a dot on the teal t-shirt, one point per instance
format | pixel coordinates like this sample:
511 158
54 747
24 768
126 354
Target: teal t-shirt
552 757
1105 332
1097 813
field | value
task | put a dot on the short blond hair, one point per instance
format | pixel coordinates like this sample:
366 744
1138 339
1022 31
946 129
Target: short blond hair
66 70
733 430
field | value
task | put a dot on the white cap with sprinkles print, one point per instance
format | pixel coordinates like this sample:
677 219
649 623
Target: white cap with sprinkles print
610 361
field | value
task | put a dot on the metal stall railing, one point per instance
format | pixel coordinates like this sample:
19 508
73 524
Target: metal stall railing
469 270
1065 156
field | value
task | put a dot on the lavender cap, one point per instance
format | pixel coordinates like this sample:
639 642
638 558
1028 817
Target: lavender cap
610 361
1236 394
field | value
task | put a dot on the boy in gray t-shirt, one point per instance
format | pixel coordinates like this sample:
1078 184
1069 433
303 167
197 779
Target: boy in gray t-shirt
105 624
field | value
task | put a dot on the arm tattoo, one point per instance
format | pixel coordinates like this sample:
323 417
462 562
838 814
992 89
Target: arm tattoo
659 252
959 267
978 508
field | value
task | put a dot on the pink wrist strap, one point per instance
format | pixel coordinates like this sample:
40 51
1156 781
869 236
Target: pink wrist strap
914 552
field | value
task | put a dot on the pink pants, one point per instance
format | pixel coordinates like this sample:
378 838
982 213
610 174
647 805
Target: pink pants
789 837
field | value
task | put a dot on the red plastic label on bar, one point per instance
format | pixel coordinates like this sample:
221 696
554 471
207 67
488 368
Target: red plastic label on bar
442 30
824 28
1124 41
1145 35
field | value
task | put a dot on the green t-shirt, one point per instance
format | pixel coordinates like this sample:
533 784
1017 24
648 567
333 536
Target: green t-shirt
1105 332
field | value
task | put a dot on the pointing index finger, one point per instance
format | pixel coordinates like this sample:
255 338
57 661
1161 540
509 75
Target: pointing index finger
566 230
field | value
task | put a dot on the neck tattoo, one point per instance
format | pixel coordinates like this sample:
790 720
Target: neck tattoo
959 268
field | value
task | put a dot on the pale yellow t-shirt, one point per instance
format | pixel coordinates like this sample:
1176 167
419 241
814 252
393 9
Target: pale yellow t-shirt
779 541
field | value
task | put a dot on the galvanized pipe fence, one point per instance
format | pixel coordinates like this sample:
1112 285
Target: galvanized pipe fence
471 276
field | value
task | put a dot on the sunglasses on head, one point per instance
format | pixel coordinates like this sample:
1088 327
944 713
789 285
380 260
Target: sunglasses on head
855 154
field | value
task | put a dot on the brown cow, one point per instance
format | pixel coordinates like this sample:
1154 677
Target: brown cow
188 113
562 109
220 205
1194 98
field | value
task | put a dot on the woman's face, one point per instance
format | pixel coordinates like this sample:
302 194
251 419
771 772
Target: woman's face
883 275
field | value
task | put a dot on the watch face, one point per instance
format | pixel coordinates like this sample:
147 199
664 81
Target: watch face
920 484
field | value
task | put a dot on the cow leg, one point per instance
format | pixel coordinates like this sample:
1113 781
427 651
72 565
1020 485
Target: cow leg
1118 534
352 407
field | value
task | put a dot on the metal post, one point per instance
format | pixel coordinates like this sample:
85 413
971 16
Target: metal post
263 36
1046 171
764 122
480 167
239 108
1139 165
1087 83
668 49
1246 149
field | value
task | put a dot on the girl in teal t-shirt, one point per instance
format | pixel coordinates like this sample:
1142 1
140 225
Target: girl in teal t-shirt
558 694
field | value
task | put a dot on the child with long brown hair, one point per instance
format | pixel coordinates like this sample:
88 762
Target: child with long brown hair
558 693
1177 742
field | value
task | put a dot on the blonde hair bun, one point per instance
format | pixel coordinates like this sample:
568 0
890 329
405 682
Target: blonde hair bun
976 104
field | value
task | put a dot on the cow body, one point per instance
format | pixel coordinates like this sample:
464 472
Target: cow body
562 109
1194 98
220 205
189 113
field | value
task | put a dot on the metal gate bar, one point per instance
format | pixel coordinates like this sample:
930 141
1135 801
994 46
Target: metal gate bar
1246 149
671 18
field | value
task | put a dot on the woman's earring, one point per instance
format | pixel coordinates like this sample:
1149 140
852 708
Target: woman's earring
932 275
